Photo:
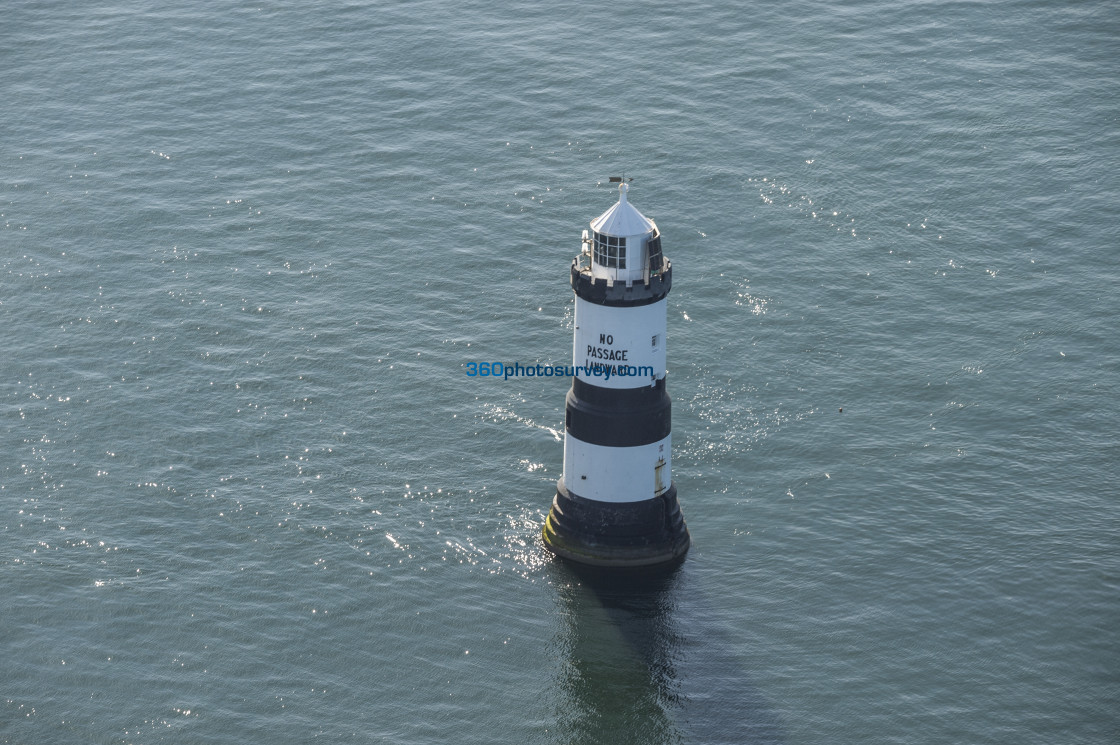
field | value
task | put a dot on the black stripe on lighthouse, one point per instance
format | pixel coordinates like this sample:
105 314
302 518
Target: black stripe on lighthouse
618 294
617 417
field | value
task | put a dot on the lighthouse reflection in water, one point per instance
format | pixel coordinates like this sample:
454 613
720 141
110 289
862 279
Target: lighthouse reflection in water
646 661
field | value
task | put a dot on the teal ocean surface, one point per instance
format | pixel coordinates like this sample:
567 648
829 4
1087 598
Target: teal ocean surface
248 493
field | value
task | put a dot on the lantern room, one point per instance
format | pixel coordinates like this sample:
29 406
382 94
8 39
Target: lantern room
623 245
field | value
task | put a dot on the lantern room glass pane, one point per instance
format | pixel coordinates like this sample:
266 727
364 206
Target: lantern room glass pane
656 260
610 251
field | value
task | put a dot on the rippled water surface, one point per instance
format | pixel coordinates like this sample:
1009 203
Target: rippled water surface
249 493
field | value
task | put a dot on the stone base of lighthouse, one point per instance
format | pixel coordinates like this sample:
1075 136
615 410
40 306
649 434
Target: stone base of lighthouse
616 534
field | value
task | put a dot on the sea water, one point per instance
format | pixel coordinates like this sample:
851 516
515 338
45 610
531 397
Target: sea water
249 493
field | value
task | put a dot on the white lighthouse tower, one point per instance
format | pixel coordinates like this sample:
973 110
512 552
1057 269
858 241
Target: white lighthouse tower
616 504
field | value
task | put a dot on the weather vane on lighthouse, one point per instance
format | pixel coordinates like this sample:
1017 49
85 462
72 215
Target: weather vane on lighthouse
616 504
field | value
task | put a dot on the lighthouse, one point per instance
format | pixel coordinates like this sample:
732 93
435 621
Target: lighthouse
616 504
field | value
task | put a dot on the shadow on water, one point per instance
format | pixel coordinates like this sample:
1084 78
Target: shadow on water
634 672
